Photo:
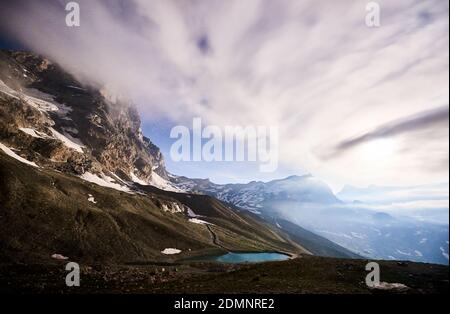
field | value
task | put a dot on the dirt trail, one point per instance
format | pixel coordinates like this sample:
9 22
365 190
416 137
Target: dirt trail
215 238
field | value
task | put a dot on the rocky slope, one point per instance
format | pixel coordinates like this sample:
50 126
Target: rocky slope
58 123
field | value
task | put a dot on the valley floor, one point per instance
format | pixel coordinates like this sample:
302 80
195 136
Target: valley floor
305 274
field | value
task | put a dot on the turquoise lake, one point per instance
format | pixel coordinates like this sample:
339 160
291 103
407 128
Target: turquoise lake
234 258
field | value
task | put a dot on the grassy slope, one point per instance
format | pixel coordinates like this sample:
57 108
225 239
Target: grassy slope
314 243
44 212
56 217
228 223
235 219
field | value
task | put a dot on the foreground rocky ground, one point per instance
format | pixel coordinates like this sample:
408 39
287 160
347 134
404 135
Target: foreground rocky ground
305 274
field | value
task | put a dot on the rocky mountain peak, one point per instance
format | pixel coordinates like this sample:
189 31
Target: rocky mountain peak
56 121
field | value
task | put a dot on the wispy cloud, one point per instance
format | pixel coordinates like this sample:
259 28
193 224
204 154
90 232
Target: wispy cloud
438 117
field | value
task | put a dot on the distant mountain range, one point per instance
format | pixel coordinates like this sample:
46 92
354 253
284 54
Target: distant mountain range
408 223
256 196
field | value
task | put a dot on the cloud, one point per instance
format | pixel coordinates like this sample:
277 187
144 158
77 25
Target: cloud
438 117
313 68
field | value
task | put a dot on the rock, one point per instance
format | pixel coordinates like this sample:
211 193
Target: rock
391 287
59 257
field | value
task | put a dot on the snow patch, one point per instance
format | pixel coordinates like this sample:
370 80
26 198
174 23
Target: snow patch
117 178
12 154
104 181
39 103
59 257
199 221
170 251
63 111
68 141
36 99
135 179
33 133
358 235
445 254
403 253
191 213
163 184
91 199
338 234
391 286
5 89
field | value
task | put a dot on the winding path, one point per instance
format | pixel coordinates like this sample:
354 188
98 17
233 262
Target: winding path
214 237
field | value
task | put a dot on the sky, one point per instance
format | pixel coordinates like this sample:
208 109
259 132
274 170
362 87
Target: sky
353 104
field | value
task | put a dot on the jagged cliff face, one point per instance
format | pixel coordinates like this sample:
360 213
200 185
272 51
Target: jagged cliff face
53 120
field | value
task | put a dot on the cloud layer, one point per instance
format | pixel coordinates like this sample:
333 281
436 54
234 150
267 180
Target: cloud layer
434 118
313 68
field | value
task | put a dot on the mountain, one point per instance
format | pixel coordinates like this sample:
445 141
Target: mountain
69 127
257 196
64 214
76 185
408 223
79 180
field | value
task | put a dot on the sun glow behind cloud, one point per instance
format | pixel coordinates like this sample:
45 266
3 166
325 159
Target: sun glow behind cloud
377 151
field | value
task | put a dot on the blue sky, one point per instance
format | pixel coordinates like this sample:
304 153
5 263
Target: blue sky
6 42
218 172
